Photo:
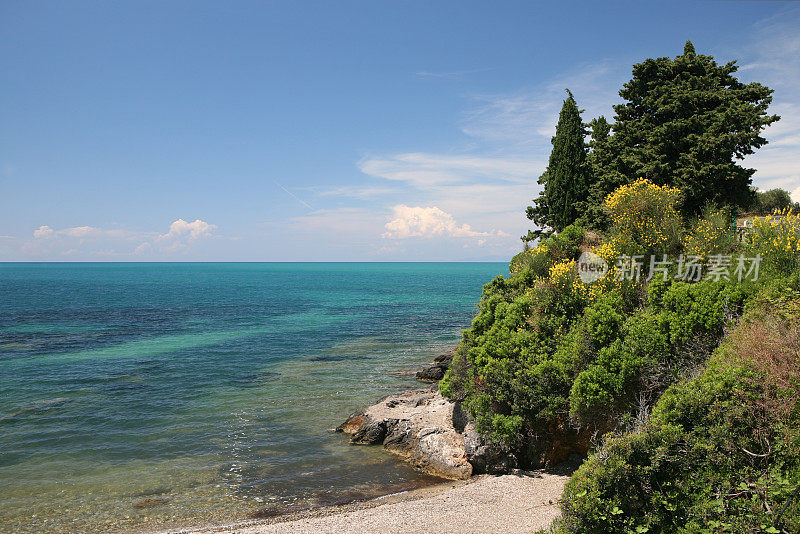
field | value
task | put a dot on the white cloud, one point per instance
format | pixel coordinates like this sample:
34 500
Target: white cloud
796 195
190 230
92 242
418 221
43 232
79 231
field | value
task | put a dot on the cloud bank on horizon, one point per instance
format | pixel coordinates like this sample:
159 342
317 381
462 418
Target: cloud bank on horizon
115 243
461 197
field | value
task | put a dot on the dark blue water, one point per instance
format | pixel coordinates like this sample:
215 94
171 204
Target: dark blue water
210 389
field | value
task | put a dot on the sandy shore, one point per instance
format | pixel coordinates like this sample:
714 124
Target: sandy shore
522 502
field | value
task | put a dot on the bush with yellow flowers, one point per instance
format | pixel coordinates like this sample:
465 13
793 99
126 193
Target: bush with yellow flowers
647 214
714 233
777 239
564 277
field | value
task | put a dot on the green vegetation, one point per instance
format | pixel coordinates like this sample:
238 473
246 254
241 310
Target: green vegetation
565 182
685 122
721 452
774 200
680 386
691 423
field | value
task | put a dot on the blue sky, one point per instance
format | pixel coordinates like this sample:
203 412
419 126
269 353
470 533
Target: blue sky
365 131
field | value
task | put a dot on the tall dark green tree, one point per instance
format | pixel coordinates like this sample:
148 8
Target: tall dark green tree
685 122
565 185
597 160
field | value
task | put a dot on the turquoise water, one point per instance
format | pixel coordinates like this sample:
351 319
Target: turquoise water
209 389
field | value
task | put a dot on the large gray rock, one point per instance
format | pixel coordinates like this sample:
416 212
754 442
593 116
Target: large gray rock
431 433
416 425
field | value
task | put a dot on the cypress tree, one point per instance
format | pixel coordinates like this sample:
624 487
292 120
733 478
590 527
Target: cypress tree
564 183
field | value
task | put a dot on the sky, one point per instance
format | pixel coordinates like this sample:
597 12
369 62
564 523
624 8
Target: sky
328 131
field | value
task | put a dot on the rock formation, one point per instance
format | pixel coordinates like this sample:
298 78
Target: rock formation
437 369
430 432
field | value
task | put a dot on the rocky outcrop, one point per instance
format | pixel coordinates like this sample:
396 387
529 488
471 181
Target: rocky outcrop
437 369
485 456
431 433
434 373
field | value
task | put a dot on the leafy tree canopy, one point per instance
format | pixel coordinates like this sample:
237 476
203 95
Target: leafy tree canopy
685 122
774 200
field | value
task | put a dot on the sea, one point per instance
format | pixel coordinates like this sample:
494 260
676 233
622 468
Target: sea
142 397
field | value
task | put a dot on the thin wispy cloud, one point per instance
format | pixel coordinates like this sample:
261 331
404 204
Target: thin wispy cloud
424 170
772 56
358 192
524 120
45 232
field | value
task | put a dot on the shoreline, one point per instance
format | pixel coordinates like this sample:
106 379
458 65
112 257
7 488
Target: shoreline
520 501
507 502
322 510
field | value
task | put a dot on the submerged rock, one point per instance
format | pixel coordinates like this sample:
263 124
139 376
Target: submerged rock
149 503
430 432
40 406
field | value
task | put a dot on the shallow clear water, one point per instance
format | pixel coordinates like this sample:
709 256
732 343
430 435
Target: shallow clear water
210 389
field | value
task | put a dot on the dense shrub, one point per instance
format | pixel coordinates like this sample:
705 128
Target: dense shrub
721 452
504 372
777 240
653 348
550 358
563 246
714 233
646 214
